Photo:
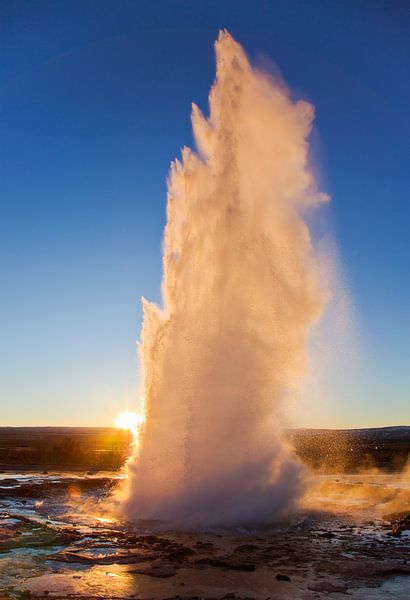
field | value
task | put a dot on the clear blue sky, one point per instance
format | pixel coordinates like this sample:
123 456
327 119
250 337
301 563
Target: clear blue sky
94 104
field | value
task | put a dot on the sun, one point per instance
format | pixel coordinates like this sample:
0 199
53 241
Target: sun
129 420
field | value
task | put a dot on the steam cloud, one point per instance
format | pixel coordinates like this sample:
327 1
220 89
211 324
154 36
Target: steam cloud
240 293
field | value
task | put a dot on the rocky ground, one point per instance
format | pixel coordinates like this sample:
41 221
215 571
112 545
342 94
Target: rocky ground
55 543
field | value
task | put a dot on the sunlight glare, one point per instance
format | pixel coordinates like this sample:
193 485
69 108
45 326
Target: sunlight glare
129 420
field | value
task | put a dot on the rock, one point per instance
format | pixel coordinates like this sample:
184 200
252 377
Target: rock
153 539
328 535
246 548
400 523
204 545
326 586
281 577
86 558
229 562
393 572
161 571
178 553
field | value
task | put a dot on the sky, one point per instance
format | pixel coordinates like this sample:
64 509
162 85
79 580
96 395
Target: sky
95 98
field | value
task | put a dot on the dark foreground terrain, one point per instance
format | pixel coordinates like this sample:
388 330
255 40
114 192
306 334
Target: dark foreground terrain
61 535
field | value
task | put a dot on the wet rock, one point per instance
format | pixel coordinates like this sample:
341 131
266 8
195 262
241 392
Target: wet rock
153 539
400 523
32 535
88 558
270 549
281 577
394 571
162 571
204 545
8 483
178 552
327 587
230 562
328 535
246 548
178 597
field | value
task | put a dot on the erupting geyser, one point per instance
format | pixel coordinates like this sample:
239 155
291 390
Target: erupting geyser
241 292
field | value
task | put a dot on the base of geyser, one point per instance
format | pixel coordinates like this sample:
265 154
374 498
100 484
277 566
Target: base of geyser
237 501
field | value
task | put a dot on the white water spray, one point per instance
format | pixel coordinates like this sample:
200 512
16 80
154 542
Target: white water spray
240 293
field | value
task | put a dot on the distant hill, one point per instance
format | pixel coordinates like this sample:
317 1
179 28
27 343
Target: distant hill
398 432
69 447
105 448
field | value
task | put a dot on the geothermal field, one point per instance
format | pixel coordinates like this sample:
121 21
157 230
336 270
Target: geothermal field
205 490
61 536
